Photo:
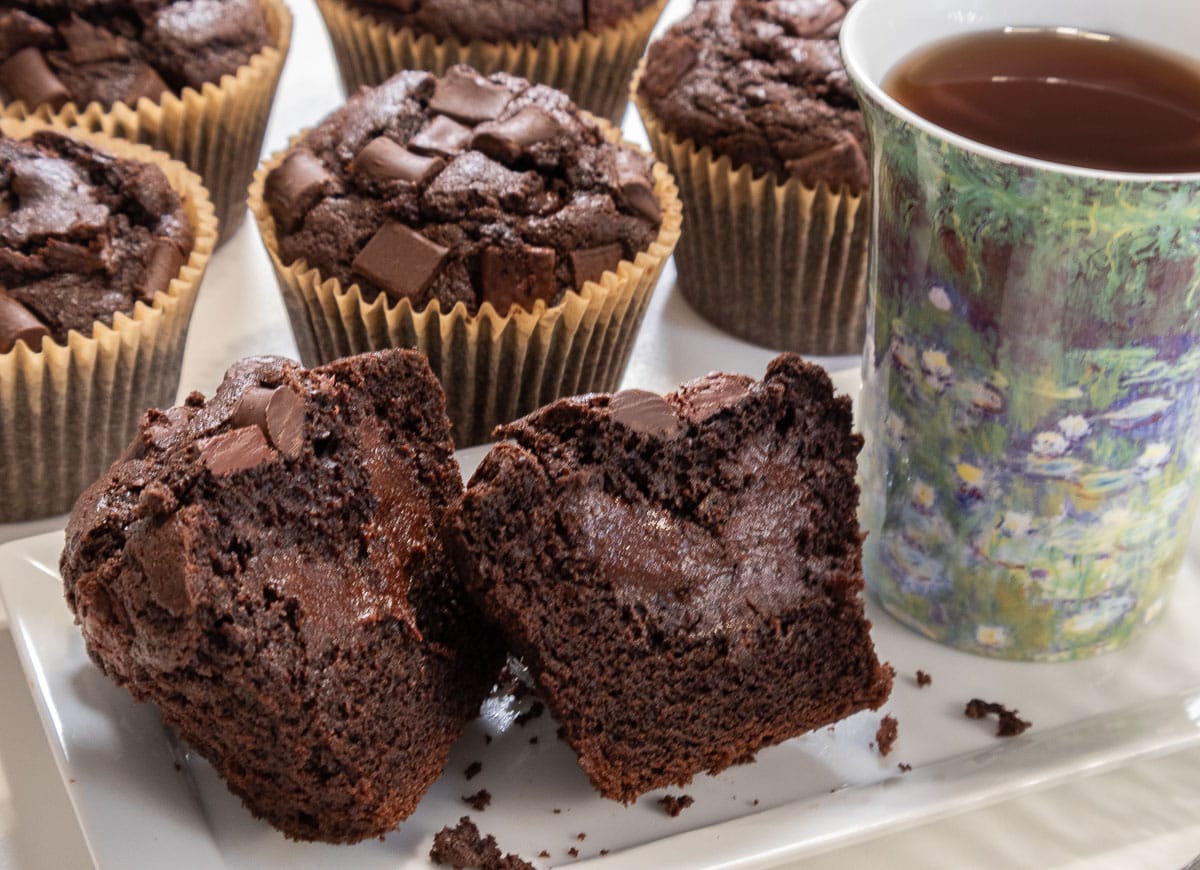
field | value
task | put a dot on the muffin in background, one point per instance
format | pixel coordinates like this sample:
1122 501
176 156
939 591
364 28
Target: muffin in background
748 104
587 49
487 222
193 78
102 247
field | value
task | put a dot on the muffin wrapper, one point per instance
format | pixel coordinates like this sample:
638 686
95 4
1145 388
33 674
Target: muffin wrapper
493 368
593 68
67 411
217 131
780 265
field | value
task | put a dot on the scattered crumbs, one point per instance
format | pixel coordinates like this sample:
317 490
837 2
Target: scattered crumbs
487 739
673 805
603 851
536 709
561 733
754 802
581 836
573 852
533 741
478 801
923 680
473 769
886 735
178 768
557 811
1009 724
543 854
904 768
464 846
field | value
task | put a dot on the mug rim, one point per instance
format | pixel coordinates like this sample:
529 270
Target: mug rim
874 89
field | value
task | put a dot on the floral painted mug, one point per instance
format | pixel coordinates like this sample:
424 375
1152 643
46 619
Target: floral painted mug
1031 377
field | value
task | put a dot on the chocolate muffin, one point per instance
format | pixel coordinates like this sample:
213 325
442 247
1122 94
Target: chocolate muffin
682 574
265 567
501 20
748 103
462 189
762 82
54 52
587 48
83 235
486 222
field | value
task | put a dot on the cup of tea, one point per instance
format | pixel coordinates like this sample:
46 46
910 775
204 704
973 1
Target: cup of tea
1031 376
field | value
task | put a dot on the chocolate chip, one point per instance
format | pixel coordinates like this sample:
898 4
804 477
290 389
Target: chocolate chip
235 450
278 412
645 413
708 396
87 43
517 276
400 261
383 160
591 263
842 160
17 323
508 139
636 185
20 30
442 136
466 96
162 266
294 186
147 83
28 78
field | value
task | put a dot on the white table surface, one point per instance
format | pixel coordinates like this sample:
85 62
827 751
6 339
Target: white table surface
1143 816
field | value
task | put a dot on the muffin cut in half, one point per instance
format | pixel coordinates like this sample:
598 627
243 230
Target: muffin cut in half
265 567
682 574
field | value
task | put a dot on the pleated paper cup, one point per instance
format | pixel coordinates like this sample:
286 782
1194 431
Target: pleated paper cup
494 368
217 131
68 410
593 68
773 262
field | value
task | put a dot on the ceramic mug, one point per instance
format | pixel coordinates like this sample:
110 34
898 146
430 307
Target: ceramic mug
1031 375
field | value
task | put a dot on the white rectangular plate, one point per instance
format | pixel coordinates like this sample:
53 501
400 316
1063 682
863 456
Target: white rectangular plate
146 801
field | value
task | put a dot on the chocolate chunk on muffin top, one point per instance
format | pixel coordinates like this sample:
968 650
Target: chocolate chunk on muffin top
501 20
83 235
82 51
462 189
762 82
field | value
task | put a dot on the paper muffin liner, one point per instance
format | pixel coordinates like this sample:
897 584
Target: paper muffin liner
217 131
68 410
493 368
778 264
593 68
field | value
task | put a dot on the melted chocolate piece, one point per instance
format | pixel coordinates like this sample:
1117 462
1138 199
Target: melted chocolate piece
278 412
17 323
589 264
236 450
383 160
507 140
706 397
400 261
162 266
443 137
636 187
645 413
294 186
28 78
845 159
20 30
147 83
87 43
466 96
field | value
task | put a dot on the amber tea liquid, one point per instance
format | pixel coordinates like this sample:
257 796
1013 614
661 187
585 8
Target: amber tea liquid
1084 99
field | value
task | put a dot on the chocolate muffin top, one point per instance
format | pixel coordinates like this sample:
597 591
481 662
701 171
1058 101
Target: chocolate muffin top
761 81
83 235
462 189
501 20
83 51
